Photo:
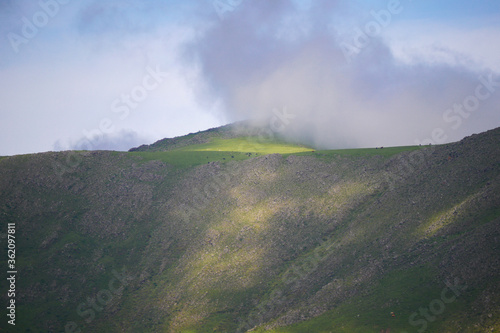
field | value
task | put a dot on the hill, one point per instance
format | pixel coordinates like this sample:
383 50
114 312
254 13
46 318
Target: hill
257 132
225 232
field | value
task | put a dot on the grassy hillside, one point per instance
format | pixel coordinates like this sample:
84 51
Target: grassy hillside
221 150
233 234
238 130
361 152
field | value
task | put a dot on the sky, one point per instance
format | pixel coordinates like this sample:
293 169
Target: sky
115 74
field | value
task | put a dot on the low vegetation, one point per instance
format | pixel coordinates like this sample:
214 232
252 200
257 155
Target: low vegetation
221 150
218 232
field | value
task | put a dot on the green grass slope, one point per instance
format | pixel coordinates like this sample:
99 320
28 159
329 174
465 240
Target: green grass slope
237 130
293 241
221 150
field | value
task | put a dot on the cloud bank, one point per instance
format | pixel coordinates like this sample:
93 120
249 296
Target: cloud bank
267 55
352 73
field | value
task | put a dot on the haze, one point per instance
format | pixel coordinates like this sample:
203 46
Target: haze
117 74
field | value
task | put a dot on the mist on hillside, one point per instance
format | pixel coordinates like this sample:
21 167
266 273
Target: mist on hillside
337 73
335 98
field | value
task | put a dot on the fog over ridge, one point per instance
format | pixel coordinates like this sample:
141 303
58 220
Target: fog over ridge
373 100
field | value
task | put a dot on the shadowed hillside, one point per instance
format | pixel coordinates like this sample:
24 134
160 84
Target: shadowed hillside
219 232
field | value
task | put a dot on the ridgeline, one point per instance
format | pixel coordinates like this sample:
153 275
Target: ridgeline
230 231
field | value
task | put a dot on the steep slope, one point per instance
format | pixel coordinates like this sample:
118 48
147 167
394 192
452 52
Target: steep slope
257 131
327 241
234 142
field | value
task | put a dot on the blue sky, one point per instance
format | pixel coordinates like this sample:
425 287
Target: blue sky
117 74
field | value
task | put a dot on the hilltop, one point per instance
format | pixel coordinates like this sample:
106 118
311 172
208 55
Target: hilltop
220 231
256 131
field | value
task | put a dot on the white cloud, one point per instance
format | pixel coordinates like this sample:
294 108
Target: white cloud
377 99
261 56
58 96
431 41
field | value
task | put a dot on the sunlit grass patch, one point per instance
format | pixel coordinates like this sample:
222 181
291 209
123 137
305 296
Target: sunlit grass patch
238 149
445 218
249 144
221 150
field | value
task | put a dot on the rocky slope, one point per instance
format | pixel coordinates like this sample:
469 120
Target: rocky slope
113 242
